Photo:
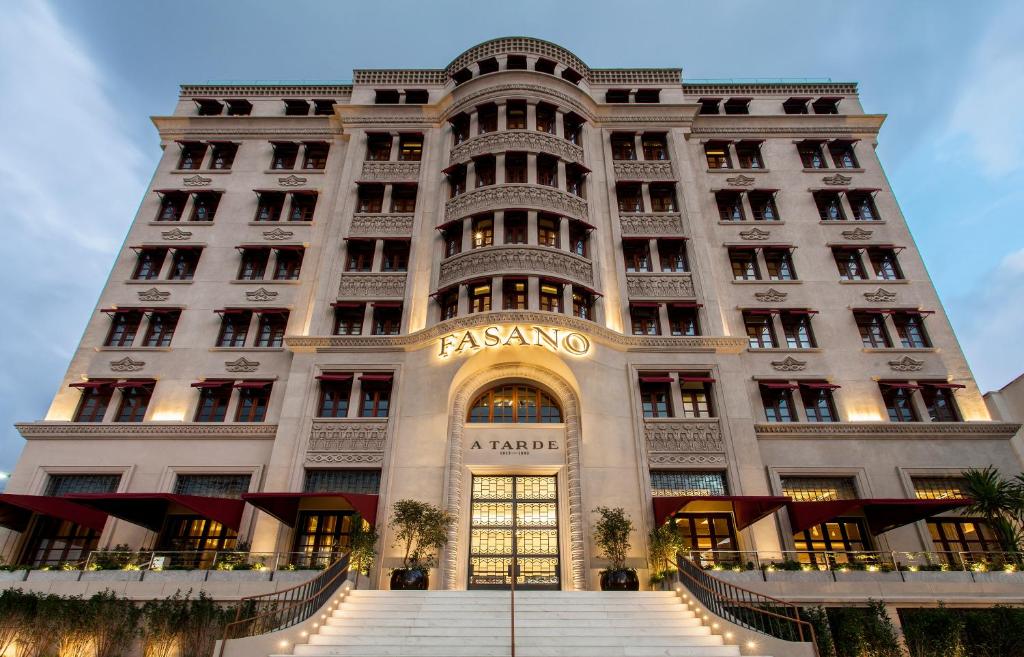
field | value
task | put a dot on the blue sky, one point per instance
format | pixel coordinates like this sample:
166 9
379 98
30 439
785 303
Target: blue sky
949 74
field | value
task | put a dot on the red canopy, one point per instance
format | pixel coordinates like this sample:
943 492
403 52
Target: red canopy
285 506
17 510
881 514
747 509
804 515
149 509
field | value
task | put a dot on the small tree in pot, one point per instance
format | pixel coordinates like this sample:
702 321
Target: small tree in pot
611 536
422 530
363 546
663 543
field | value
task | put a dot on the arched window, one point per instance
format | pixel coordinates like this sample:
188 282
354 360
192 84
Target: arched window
515 402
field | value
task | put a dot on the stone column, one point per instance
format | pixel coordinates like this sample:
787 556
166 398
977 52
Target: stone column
467 234
502 116
734 158
165 266
474 123
762 264
844 203
676 393
531 228
638 145
531 115
357 397
645 191
367 319
563 233
385 204
497 293
663 319
748 209
499 168
531 168
378 256
395 138
463 300
652 245
532 293
560 181
560 124
567 298
499 226
271 264
470 175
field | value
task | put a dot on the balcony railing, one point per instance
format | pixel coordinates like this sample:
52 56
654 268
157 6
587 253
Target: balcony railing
529 141
652 224
390 171
516 259
515 195
372 285
849 561
344 440
157 560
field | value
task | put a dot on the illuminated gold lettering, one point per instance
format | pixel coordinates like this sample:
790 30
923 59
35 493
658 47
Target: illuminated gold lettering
446 344
576 344
540 337
491 337
552 444
516 334
475 445
467 338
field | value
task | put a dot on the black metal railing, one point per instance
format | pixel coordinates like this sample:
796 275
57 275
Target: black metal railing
270 612
754 611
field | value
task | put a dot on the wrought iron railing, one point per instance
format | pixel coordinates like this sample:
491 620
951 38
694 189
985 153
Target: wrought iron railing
754 611
206 560
270 612
842 561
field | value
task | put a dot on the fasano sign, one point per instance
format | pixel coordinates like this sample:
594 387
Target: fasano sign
496 337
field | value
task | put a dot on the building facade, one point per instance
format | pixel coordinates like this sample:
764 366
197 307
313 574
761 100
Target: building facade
519 288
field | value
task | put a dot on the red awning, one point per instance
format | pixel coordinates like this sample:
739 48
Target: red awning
881 514
747 509
804 515
135 383
334 376
16 511
685 304
285 506
778 385
656 379
213 383
905 385
821 386
252 384
149 509
387 304
644 304
92 383
376 377
696 379
950 386
348 304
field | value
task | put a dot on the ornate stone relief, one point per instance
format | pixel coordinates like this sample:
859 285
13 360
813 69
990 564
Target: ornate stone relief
516 260
196 181
906 364
391 171
367 225
789 364
277 234
881 295
499 197
685 459
372 286
153 294
530 141
754 233
670 223
740 181
347 442
132 430
895 430
176 234
683 436
126 364
291 181
771 295
660 286
837 179
261 294
858 233
241 365
657 170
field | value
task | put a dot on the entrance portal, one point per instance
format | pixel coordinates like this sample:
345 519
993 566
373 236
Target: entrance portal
514 516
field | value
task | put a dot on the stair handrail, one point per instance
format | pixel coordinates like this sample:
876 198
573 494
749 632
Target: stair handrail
270 612
763 613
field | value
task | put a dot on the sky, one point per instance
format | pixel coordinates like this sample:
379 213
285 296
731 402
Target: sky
950 76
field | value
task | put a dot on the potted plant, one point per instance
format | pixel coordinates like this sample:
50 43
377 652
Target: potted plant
663 543
422 530
363 546
611 536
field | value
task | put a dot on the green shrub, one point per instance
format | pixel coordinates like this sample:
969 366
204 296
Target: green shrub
863 632
994 632
818 618
933 632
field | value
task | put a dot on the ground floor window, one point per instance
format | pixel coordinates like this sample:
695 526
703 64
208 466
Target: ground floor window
962 540
54 541
321 537
194 540
709 538
836 542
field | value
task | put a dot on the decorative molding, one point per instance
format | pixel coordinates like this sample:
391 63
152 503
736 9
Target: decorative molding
864 128
390 171
126 364
660 286
241 365
346 441
906 364
383 285
511 195
518 91
530 141
291 181
285 90
652 224
518 45
644 170
196 181
261 294
277 234
399 76
686 459
789 364
382 225
771 295
887 430
769 88
153 294
678 437
837 179
881 295
515 259
858 233
754 233
176 234
155 430
740 181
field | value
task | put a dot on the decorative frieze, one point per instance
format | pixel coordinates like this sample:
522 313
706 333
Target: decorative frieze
740 181
196 181
755 234
261 294
886 430
372 285
520 259
858 233
242 364
644 170
500 197
347 441
906 364
277 235
153 294
530 141
145 430
291 181
390 171
881 295
652 224
126 364
771 295
789 364
679 441
176 234
659 286
837 179
381 225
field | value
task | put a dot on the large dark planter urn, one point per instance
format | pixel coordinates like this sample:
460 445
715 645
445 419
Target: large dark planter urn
619 580
409 579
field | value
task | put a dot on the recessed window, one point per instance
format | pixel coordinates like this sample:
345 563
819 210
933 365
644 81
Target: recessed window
410 147
572 126
762 206
849 264
184 263
239 107
796 326
403 198
515 115
254 264
457 180
204 206
134 401
744 264
449 303
296 107
579 239
253 400
696 395
623 146
811 155
546 118
939 400
717 155
483 231
910 329
386 97
515 227
737 106
359 255
460 128
395 255
452 240
748 153
489 65
655 146
417 96
223 155
513 294
826 106
288 265
376 400
161 328
335 392
192 153
648 96
779 264
842 154
234 327
655 395
303 206
730 206
617 96
548 230
387 318
760 329
487 118
709 105
515 167
830 208
873 334
172 206
370 199
285 154
316 155
884 263
777 399
271 329
571 75
630 197
515 404
643 318
323 107
683 320
348 318
149 263
817 401
269 205
550 296
863 205
124 324
516 63
796 106
547 170
485 167
208 106
898 398
378 147
461 76
214 397
672 254
582 304
663 197
479 297
92 407
637 255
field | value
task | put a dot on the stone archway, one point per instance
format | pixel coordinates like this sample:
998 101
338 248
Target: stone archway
454 473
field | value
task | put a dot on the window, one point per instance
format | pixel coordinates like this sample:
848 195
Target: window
515 115
582 304
826 106
270 332
269 206
234 327
872 330
616 96
779 263
648 96
910 329
94 401
376 395
348 318
849 264
762 206
960 539
449 302
515 168
623 146
644 319
192 153
744 265
289 264
489 65
487 118
717 154
818 405
208 106
748 153
730 206
223 155
123 327
655 396
253 400
637 254
172 206
285 154
460 129
841 538
183 264
239 107
360 255
778 402
672 254
514 403
457 181
737 106
696 395
547 170
410 147
54 541
370 199
204 206
842 154
546 118
214 397
323 107
655 146
709 105
335 391
387 319
819 489
134 402
680 483
663 197
938 488
403 198
453 240
574 178
484 167
296 107
796 326
760 330
811 155
863 205
386 97
513 294
515 63
254 264
515 228
572 126
396 255
550 296
795 106
682 320
483 231
548 233
161 328
883 261
579 238
829 206
898 398
479 298
149 263
938 399
303 206
378 147
630 198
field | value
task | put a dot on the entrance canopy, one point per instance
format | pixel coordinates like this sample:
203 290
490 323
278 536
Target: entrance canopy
285 506
747 509
882 514
149 509
17 510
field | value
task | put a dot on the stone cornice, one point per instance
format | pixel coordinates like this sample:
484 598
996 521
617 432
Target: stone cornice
283 90
530 141
357 116
887 430
381 225
241 127
652 224
784 124
769 88
509 195
644 170
399 76
516 259
390 171
153 430
598 333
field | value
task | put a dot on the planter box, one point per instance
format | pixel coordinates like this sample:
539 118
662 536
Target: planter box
112 576
738 577
948 577
238 576
1000 577
300 576
13 575
53 575
817 576
174 576
867 576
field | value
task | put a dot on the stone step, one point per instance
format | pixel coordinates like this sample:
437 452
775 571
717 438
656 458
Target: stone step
520 606
497 624
562 614
525 651
551 629
566 640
